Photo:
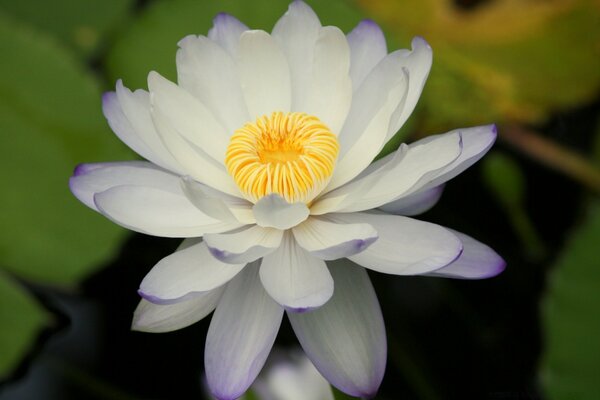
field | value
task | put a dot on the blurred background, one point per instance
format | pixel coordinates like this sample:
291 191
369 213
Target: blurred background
68 277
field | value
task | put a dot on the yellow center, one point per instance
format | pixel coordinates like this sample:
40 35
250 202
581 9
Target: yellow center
291 154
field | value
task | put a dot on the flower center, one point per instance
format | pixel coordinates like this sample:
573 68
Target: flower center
291 154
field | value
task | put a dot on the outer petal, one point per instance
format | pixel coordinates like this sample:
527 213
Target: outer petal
156 212
155 318
294 278
329 241
226 32
345 338
405 246
244 246
208 72
273 211
296 32
367 48
264 74
477 261
298 381
416 203
128 114
89 179
241 334
185 274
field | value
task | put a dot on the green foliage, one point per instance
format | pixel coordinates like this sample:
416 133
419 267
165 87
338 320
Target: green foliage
20 317
571 363
80 24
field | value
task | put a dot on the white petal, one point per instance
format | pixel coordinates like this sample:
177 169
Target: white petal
416 203
330 93
366 127
345 338
128 115
208 72
296 32
405 246
156 212
241 334
294 278
217 204
367 48
477 261
264 74
401 174
156 318
188 117
273 211
185 274
329 241
298 381
418 63
226 32
89 179
244 246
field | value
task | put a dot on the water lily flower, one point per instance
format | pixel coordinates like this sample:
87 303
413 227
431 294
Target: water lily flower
261 158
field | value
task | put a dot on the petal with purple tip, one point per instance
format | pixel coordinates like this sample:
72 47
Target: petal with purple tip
367 48
477 261
416 203
226 32
241 334
243 246
345 338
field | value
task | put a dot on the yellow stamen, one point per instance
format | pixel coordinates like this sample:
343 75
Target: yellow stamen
291 154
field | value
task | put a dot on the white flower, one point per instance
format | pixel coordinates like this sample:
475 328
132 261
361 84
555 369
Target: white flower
261 157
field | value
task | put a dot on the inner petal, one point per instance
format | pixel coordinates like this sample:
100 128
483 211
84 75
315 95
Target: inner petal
290 154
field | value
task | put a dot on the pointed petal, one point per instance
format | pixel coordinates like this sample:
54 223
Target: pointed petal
244 246
241 334
209 73
226 32
477 261
185 274
294 278
345 338
416 203
264 74
405 246
273 211
367 48
329 241
157 318
89 179
156 212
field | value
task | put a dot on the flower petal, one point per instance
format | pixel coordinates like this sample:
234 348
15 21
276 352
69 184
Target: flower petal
188 116
405 246
416 203
273 211
264 74
208 72
477 261
89 179
296 32
156 212
217 204
345 338
367 48
157 318
329 241
241 334
297 381
185 274
294 278
226 31
243 246
128 114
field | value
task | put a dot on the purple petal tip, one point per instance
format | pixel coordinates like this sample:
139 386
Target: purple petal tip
494 129
81 169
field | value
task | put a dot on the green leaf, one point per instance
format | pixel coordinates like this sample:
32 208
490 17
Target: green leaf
571 363
79 24
150 42
50 120
21 318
